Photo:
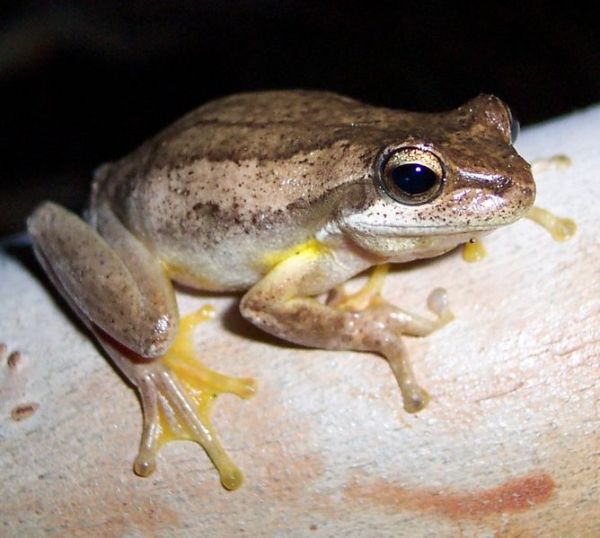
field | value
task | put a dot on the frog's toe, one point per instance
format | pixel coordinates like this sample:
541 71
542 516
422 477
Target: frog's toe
561 229
177 394
369 295
438 303
415 399
145 463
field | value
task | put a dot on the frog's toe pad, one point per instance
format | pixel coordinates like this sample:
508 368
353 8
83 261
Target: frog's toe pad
145 464
415 399
438 303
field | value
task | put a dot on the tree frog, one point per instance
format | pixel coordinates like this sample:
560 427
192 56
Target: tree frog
283 195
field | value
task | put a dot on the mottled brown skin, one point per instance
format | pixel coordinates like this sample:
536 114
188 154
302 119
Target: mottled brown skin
267 171
281 194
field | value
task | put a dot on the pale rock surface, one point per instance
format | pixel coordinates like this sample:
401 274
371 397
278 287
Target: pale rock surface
508 446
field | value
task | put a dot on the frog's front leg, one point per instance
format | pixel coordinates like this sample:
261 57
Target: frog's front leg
120 291
281 305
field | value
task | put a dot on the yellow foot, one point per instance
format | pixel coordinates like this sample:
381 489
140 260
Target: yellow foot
474 251
177 396
368 295
560 229
556 162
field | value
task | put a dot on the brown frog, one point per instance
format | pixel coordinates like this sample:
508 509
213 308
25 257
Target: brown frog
284 195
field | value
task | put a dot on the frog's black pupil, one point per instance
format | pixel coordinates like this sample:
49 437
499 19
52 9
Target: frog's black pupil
413 178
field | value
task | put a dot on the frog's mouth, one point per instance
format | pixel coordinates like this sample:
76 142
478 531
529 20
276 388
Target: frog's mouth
391 232
457 217
403 247
403 232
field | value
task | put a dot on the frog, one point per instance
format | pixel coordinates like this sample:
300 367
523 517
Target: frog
281 196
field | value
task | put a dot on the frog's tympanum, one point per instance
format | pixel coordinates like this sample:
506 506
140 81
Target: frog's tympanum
285 196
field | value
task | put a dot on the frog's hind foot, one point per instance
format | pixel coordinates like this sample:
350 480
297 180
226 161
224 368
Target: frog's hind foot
177 394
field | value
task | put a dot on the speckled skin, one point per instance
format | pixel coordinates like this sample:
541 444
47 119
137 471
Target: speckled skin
256 173
279 192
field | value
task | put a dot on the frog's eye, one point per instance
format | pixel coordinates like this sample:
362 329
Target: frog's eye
412 176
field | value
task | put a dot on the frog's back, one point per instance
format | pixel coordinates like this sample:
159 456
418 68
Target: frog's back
248 173
265 126
278 107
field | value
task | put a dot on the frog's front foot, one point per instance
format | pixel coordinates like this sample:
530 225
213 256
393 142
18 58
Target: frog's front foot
177 393
362 321
386 324
369 297
561 229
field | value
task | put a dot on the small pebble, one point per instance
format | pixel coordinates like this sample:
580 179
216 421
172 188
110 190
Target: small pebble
14 360
23 411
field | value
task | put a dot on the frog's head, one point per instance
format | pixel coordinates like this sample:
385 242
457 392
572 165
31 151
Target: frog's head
444 179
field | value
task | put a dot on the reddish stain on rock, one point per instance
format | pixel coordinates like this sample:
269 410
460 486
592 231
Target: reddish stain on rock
514 495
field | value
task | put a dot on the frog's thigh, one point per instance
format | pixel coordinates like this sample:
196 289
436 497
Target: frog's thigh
118 287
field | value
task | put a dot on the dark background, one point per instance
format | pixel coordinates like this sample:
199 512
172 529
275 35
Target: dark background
85 82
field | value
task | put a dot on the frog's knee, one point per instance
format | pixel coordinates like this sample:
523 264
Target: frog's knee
254 305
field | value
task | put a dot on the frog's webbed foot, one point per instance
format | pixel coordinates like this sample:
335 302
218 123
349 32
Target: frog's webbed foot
177 393
121 292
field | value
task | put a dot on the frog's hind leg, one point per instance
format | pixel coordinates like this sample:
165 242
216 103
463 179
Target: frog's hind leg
120 291
113 282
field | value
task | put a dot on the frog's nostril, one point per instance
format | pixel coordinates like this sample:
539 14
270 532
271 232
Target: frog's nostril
502 184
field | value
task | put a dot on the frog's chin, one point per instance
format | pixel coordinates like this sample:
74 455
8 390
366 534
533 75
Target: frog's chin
400 249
